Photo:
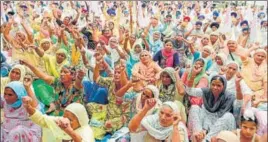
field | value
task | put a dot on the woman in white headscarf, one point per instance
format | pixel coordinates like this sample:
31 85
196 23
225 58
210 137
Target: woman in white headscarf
162 126
72 126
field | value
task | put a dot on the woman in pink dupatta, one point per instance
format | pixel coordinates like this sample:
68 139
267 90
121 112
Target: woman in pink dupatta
167 57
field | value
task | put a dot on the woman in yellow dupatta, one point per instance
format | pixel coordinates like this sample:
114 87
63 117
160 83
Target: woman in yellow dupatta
72 126
254 72
53 64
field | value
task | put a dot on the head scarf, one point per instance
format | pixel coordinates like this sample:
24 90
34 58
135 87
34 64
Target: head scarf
111 12
63 51
152 123
260 51
168 93
210 48
228 136
234 14
244 22
261 13
44 40
22 71
233 62
223 104
200 75
215 24
155 92
187 18
215 13
134 55
223 58
80 112
145 52
198 23
19 90
84 130
201 16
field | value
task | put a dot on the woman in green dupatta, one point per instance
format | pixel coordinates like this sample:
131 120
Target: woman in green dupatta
68 88
200 80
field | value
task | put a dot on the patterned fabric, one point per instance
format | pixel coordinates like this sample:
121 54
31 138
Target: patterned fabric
64 98
17 127
200 119
114 111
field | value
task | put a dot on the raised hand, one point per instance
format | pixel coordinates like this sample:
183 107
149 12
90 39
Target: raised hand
24 62
27 81
64 124
27 101
196 70
150 103
176 119
238 77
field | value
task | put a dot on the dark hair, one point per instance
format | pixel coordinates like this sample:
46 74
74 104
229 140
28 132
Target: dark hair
201 60
243 119
218 78
168 40
168 16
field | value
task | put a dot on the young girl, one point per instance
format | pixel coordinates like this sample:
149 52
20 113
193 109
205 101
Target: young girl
248 126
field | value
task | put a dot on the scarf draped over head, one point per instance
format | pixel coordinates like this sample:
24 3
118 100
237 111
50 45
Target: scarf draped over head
210 48
45 40
223 58
135 55
81 114
19 90
260 51
146 53
152 123
169 93
225 101
155 92
200 75
63 51
22 71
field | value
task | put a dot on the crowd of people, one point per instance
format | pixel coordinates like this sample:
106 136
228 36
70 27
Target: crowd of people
139 71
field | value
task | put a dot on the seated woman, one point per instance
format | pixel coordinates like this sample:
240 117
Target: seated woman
231 72
218 65
214 116
134 56
111 117
73 126
137 102
167 57
146 70
206 53
170 86
195 80
68 88
53 63
162 126
17 126
254 72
